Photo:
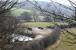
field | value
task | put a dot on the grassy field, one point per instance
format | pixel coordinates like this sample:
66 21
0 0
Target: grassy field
38 24
41 24
64 45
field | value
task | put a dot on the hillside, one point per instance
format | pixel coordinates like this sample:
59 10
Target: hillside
67 10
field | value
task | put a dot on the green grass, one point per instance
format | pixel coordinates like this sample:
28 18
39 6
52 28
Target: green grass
41 24
63 45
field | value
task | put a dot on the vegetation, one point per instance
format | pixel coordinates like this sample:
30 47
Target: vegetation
8 22
42 24
19 11
65 43
10 27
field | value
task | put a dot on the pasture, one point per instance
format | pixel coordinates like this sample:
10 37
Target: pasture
65 43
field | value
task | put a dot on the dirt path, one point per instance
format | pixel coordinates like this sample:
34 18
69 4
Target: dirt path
41 33
45 33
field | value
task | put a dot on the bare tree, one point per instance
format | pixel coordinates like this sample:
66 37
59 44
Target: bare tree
73 4
7 21
8 26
